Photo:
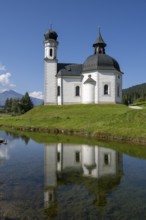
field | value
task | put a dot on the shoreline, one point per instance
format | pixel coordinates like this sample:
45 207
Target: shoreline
98 135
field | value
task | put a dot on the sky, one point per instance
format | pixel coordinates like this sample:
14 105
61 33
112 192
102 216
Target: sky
24 22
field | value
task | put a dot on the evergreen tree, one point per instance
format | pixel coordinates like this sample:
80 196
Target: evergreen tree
26 103
15 108
6 105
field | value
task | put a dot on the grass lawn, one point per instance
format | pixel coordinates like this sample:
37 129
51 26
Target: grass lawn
106 119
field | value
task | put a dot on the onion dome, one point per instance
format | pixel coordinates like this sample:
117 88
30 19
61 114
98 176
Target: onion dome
99 60
50 34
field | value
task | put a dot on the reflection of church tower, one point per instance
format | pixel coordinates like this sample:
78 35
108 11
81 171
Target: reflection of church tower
50 163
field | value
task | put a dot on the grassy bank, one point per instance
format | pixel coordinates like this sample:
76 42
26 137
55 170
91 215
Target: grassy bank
113 121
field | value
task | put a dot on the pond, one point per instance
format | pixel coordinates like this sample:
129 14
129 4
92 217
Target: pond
69 180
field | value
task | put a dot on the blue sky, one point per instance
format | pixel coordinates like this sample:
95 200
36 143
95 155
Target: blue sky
24 22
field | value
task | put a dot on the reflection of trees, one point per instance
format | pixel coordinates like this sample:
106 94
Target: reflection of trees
104 186
16 136
100 188
51 212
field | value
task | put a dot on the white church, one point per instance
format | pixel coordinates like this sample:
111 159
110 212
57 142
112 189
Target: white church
97 80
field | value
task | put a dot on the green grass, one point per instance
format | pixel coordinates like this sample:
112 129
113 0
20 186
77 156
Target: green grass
107 119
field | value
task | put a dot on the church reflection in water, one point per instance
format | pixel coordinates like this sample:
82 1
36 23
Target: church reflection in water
102 166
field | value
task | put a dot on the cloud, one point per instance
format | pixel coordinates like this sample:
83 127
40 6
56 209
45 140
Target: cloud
2 67
36 94
5 82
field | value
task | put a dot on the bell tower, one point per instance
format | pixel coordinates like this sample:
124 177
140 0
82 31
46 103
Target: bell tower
99 45
50 67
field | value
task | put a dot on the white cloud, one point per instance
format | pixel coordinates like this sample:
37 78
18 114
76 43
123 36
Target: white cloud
5 82
36 94
2 67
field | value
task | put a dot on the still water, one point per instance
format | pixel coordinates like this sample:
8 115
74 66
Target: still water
66 181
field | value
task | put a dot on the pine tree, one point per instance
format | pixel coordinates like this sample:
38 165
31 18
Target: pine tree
26 103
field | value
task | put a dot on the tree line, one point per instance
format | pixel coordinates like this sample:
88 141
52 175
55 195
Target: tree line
134 94
18 106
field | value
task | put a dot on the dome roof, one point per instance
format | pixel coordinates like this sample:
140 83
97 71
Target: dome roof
50 34
100 61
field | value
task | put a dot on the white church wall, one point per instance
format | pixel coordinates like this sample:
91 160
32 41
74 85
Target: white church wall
88 93
68 90
108 79
89 90
118 88
50 82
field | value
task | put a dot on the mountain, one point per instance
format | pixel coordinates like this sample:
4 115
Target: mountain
14 95
135 92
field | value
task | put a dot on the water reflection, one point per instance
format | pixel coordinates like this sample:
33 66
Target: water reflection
9 143
98 169
4 155
81 181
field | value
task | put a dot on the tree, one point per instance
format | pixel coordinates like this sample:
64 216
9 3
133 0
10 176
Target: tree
8 105
26 103
15 107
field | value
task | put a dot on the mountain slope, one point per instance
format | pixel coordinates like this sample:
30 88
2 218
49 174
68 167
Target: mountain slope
135 92
14 95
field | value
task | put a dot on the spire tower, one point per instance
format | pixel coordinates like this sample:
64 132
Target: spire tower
99 44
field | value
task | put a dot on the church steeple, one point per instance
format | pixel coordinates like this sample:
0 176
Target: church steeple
99 44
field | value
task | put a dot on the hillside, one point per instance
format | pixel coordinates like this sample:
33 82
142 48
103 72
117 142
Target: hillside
133 93
14 95
110 122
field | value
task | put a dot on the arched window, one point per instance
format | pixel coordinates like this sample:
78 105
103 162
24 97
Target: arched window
106 89
77 91
51 52
58 90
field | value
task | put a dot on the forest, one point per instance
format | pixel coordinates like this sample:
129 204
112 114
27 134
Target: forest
18 106
134 94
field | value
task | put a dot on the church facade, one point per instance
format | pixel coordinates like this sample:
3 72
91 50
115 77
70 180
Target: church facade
97 80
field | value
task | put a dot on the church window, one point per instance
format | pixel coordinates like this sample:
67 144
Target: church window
51 52
58 156
50 197
107 158
106 89
77 91
77 156
58 91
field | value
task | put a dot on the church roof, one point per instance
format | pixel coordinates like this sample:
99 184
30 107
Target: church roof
89 80
100 62
69 69
50 34
99 41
